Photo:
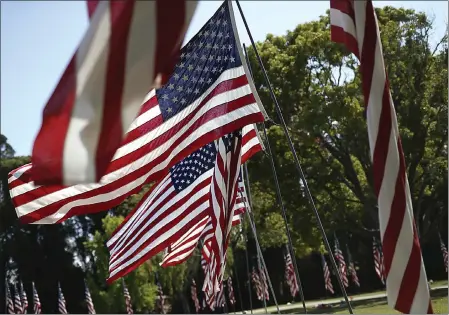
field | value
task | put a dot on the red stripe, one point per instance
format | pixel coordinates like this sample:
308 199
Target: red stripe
345 6
169 35
121 13
48 147
91 7
339 35
368 55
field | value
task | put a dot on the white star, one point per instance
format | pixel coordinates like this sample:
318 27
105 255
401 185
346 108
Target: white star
208 46
195 56
201 80
169 110
223 47
220 34
181 65
215 47
211 58
206 69
225 23
188 182
206 33
171 86
214 70
190 67
197 91
213 34
185 77
200 34
188 55
203 57
209 81
200 45
221 69
229 47
165 97
179 89
176 76
182 181
182 55
222 10
175 99
227 35
198 68
189 90
232 59
183 101
226 58
219 58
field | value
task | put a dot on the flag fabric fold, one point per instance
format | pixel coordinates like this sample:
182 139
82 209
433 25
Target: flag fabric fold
341 263
128 48
378 260
327 276
354 24
17 301
9 301
290 275
351 268
207 96
62 308
24 299
127 296
89 302
37 307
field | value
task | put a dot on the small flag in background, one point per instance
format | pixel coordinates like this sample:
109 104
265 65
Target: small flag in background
37 307
160 298
264 284
24 299
61 301
327 276
290 275
128 45
443 251
89 302
351 268
129 307
256 284
378 260
231 295
195 296
354 24
17 301
341 263
9 301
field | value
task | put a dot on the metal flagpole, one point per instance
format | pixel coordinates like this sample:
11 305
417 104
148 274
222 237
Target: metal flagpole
281 202
247 271
297 164
253 228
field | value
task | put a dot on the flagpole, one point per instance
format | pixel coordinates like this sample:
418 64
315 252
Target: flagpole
247 271
280 201
292 149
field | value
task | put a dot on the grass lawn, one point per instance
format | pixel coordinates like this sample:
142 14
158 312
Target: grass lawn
439 303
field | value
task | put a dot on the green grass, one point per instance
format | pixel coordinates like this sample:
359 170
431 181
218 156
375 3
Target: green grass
439 303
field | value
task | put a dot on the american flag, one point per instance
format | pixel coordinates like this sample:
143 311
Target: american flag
220 297
195 296
23 297
61 301
264 284
17 301
36 302
351 268
168 211
256 284
223 195
129 307
89 302
160 298
128 47
290 275
9 302
354 24
231 295
207 97
443 251
378 260
341 263
327 276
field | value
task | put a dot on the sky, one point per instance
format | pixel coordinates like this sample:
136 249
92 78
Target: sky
39 38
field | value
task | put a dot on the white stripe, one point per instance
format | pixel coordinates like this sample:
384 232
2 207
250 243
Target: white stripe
360 23
136 256
83 132
340 19
140 59
77 189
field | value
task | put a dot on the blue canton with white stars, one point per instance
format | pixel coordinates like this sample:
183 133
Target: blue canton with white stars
204 58
199 162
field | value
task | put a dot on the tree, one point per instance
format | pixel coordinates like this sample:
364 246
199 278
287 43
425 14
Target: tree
317 84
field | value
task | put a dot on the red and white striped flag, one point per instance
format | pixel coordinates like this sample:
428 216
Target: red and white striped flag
354 23
37 307
341 264
378 260
17 301
24 299
231 294
327 276
195 296
264 284
351 268
62 308
129 47
223 194
89 302
9 301
169 210
204 99
257 285
127 296
220 297
443 251
290 275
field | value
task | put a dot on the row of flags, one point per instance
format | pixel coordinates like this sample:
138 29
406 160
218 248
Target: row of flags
188 136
